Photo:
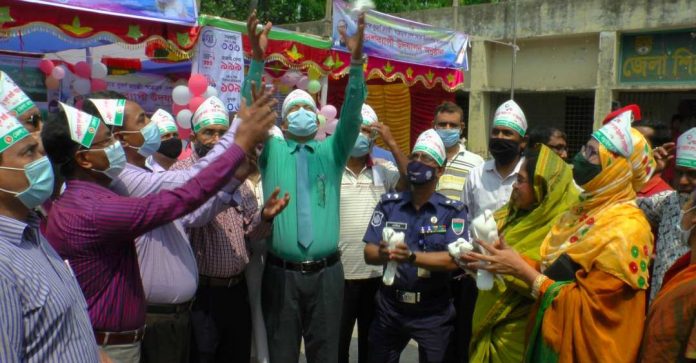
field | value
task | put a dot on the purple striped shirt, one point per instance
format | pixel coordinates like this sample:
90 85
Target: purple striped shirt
95 229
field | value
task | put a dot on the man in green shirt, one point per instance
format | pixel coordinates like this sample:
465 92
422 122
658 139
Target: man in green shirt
303 282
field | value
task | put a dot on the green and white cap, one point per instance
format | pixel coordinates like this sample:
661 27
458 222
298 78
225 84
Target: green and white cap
430 143
211 112
112 111
83 126
11 130
510 115
368 115
164 121
12 97
686 149
616 134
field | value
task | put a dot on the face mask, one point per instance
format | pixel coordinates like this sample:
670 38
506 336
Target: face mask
302 122
419 173
503 150
117 160
684 233
40 175
171 148
450 137
583 170
362 146
201 149
151 135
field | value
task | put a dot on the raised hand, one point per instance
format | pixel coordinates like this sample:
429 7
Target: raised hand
385 133
355 43
274 205
663 154
257 39
257 119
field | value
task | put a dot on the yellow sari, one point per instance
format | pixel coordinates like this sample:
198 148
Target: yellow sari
599 316
501 314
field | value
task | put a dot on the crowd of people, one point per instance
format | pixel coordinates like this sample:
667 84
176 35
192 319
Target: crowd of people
115 249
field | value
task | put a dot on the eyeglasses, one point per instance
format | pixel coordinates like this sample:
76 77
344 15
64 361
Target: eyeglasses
589 153
35 121
558 148
425 159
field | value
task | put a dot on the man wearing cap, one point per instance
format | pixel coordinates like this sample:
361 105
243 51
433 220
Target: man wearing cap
44 315
418 305
303 280
665 209
95 229
364 181
170 146
221 312
167 262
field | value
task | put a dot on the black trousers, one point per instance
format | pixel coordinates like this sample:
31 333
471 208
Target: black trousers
221 319
358 304
300 305
464 292
167 338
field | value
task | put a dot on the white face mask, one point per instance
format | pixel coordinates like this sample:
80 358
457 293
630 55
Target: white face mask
684 233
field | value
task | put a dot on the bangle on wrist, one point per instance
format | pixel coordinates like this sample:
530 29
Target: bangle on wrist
536 286
358 62
411 257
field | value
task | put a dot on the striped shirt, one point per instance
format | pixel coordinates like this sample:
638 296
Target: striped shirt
95 229
359 196
167 264
220 244
43 315
451 183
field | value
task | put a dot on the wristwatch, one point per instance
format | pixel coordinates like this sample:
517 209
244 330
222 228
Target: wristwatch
359 62
411 257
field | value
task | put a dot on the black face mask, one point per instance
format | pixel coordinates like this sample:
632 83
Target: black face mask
171 148
503 150
583 170
201 149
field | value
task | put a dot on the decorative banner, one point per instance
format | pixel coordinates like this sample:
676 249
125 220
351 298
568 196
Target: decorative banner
220 57
668 57
169 11
25 72
389 37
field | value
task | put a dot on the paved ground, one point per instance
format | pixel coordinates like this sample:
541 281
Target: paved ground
409 355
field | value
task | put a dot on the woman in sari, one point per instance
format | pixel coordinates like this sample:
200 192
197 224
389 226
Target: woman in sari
594 261
543 191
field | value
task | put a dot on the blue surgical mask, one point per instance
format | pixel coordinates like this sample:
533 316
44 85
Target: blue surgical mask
117 160
302 122
450 137
39 173
151 135
419 173
361 147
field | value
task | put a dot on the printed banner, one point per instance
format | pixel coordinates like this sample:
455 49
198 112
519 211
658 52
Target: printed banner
667 57
220 57
169 11
389 37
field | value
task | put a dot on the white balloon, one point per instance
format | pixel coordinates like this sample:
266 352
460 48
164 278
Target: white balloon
99 70
82 86
181 95
210 92
183 119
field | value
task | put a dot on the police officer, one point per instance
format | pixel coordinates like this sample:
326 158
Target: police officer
418 304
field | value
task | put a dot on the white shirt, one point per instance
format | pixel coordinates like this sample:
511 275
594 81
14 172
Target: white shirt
486 189
359 197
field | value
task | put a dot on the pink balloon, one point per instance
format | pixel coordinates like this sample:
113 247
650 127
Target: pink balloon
195 103
302 83
184 133
46 66
83 69
52 83
98 85
329 111
58 73
197 84
176 108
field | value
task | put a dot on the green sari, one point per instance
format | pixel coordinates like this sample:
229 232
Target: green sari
501 315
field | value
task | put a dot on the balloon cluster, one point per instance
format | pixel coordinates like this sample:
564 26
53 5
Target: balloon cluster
90 78
327 122
188 98
293 78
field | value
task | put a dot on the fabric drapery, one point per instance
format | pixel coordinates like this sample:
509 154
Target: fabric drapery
392 104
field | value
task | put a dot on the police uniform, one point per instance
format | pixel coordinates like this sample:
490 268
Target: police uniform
418 305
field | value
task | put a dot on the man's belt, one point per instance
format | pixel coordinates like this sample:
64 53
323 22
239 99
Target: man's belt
306 266
413 297
119 338
228 282
169 308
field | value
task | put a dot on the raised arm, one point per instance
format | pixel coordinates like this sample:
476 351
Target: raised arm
259 44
